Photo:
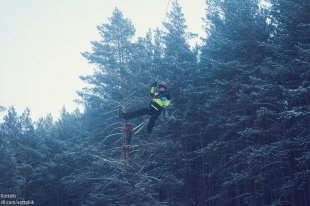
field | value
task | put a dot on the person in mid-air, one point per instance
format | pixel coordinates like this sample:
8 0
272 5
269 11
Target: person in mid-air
161 99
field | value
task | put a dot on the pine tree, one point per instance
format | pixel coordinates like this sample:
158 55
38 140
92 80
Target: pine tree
178 68
227 65
111 55
10 182
11 126
121 66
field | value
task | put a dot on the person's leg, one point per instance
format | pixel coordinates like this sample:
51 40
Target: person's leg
139 112
151 123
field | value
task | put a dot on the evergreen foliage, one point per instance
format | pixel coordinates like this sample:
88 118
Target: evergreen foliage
237 132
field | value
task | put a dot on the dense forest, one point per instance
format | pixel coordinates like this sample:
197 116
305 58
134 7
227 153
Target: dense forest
236 133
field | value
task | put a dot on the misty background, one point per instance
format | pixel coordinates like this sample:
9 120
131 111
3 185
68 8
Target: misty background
41 44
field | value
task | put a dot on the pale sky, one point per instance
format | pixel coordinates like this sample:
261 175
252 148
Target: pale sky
41 43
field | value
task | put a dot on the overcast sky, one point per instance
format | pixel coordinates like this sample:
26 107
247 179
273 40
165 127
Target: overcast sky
41 43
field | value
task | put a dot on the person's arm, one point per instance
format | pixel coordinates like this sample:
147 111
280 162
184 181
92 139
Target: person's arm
153 89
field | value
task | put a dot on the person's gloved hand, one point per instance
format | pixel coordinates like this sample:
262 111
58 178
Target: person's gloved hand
168 96
154 84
